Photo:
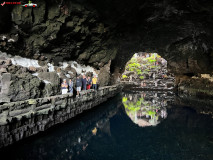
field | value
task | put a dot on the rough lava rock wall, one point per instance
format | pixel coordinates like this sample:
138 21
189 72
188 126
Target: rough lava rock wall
23 78
22 119
94 32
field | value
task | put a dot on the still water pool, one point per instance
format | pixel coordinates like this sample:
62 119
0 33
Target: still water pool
140 126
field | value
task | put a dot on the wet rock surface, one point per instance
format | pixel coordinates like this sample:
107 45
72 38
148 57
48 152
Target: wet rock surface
22 119
199 87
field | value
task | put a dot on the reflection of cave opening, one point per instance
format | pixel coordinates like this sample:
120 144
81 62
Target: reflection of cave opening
149 70
147 108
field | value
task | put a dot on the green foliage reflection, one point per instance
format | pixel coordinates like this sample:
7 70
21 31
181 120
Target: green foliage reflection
138 108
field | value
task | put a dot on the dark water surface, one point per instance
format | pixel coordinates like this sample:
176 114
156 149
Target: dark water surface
144 127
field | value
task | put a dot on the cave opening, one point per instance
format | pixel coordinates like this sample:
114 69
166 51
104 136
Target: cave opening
148 70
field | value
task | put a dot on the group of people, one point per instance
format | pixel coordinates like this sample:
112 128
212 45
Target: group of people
84 83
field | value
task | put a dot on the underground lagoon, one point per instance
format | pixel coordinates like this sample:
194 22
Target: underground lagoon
86 79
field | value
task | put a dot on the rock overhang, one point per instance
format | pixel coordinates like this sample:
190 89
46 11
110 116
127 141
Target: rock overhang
96 32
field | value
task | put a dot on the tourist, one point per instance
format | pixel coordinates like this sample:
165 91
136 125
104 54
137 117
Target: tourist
71 86
89 83
84 82
94 82
64 87
78 84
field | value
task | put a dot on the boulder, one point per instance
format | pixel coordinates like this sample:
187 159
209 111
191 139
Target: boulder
68 68
103 77
73 70
2 62
41 63
3 70
58 70
32 69
89 74
5 80
20 90
8 62
63 75
50 76
45 69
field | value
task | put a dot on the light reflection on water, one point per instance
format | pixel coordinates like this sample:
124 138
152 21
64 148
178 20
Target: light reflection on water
146 108
108 133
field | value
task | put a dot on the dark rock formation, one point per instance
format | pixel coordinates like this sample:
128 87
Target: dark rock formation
22 119
104 75
24 86
18 83
95 32
98 119
53 88
195 86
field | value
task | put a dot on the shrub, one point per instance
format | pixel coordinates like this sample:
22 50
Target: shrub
124 76
141 77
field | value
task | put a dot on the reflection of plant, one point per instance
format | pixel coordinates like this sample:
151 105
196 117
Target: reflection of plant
151 113
131 106
143 112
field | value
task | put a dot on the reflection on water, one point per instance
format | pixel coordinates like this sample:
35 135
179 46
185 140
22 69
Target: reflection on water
146 108
67 141
108 133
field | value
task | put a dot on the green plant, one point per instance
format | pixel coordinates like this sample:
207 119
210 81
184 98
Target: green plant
124 99
152 66
124 76
141 77
141 66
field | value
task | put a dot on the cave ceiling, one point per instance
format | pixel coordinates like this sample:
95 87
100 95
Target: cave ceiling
95 32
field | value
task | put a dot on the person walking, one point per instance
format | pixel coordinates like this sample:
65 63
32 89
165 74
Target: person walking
89 83
94 82
70 86
78 84
64 87
84 82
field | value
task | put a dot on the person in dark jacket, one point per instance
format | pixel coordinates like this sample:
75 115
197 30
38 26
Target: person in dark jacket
78 84
84 82
71 86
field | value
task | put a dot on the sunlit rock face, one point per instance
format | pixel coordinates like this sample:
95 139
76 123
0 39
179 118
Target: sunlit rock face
96 32
147 108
